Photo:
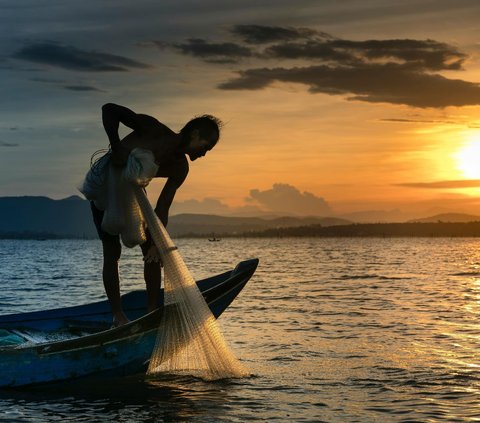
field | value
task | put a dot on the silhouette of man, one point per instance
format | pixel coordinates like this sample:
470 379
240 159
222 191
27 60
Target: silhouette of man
170 149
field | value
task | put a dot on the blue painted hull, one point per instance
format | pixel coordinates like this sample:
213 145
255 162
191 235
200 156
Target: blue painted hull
86 347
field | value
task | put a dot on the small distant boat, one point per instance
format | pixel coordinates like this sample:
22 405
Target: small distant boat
77 342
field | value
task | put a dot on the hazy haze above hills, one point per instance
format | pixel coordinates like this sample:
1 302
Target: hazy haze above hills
71 217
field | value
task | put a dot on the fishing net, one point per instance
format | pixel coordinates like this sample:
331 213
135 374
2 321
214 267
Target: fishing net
110 190
189 340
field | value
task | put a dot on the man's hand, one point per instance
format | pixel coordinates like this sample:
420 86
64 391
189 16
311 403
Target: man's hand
153 256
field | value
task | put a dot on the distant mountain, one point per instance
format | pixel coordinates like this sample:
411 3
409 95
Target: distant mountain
378 230
448 217
201 224
42 217
377 216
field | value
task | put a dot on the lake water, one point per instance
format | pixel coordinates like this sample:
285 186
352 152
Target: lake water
335 330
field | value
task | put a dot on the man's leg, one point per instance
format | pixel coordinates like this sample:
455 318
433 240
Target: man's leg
152 273
111 281
111 254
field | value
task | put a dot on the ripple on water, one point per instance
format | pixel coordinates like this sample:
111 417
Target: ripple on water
337 330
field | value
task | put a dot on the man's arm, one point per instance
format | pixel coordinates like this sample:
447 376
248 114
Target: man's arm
165 200
112 116
170 189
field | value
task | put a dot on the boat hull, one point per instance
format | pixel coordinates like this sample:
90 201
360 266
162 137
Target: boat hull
99 351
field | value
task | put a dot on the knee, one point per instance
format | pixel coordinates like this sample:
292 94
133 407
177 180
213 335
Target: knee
146 245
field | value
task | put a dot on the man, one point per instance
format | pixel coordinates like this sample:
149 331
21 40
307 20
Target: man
170 149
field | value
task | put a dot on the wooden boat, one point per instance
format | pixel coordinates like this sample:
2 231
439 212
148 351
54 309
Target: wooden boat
76 342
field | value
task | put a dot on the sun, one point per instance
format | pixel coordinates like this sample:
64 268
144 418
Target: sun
468 158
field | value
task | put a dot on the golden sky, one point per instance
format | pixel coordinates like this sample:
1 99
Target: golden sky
329 107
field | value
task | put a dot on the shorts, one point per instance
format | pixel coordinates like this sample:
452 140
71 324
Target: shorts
105 236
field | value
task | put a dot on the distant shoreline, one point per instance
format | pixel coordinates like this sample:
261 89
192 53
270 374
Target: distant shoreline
356 230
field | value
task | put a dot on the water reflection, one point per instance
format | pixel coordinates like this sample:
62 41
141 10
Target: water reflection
133 399
337 330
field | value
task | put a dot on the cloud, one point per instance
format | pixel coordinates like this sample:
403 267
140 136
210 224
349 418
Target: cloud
77 87
281 199
388 83
215 206
72 58
396 71
207 206
213 52
285 198
82 88
8 144
467 183
401 120
260 34
48 80
412 54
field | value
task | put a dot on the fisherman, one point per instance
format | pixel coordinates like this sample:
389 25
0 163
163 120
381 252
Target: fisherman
169 149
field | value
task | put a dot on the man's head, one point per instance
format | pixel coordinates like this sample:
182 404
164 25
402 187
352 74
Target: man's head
200 135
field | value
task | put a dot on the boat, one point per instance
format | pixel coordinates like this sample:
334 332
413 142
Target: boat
77 342
214 238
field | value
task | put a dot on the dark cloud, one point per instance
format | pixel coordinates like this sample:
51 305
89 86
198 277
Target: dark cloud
467 183
322 51
71 58
396 71
400 120
259 34
285 198
81 88
305 43
212 52
48 80
413 54
76 87
388 83
8 144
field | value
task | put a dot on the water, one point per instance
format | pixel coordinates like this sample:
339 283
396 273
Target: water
336 330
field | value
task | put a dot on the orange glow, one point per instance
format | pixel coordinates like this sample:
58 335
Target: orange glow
468 158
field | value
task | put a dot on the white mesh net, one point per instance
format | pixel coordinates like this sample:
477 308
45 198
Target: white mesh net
189 340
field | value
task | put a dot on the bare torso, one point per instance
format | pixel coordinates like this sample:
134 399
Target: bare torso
163 143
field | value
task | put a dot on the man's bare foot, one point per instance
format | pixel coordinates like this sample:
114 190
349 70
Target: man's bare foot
119 319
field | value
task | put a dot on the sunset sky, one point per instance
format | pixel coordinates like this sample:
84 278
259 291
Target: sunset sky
330 107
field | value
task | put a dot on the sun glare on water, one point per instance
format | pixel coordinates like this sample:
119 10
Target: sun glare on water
468 158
